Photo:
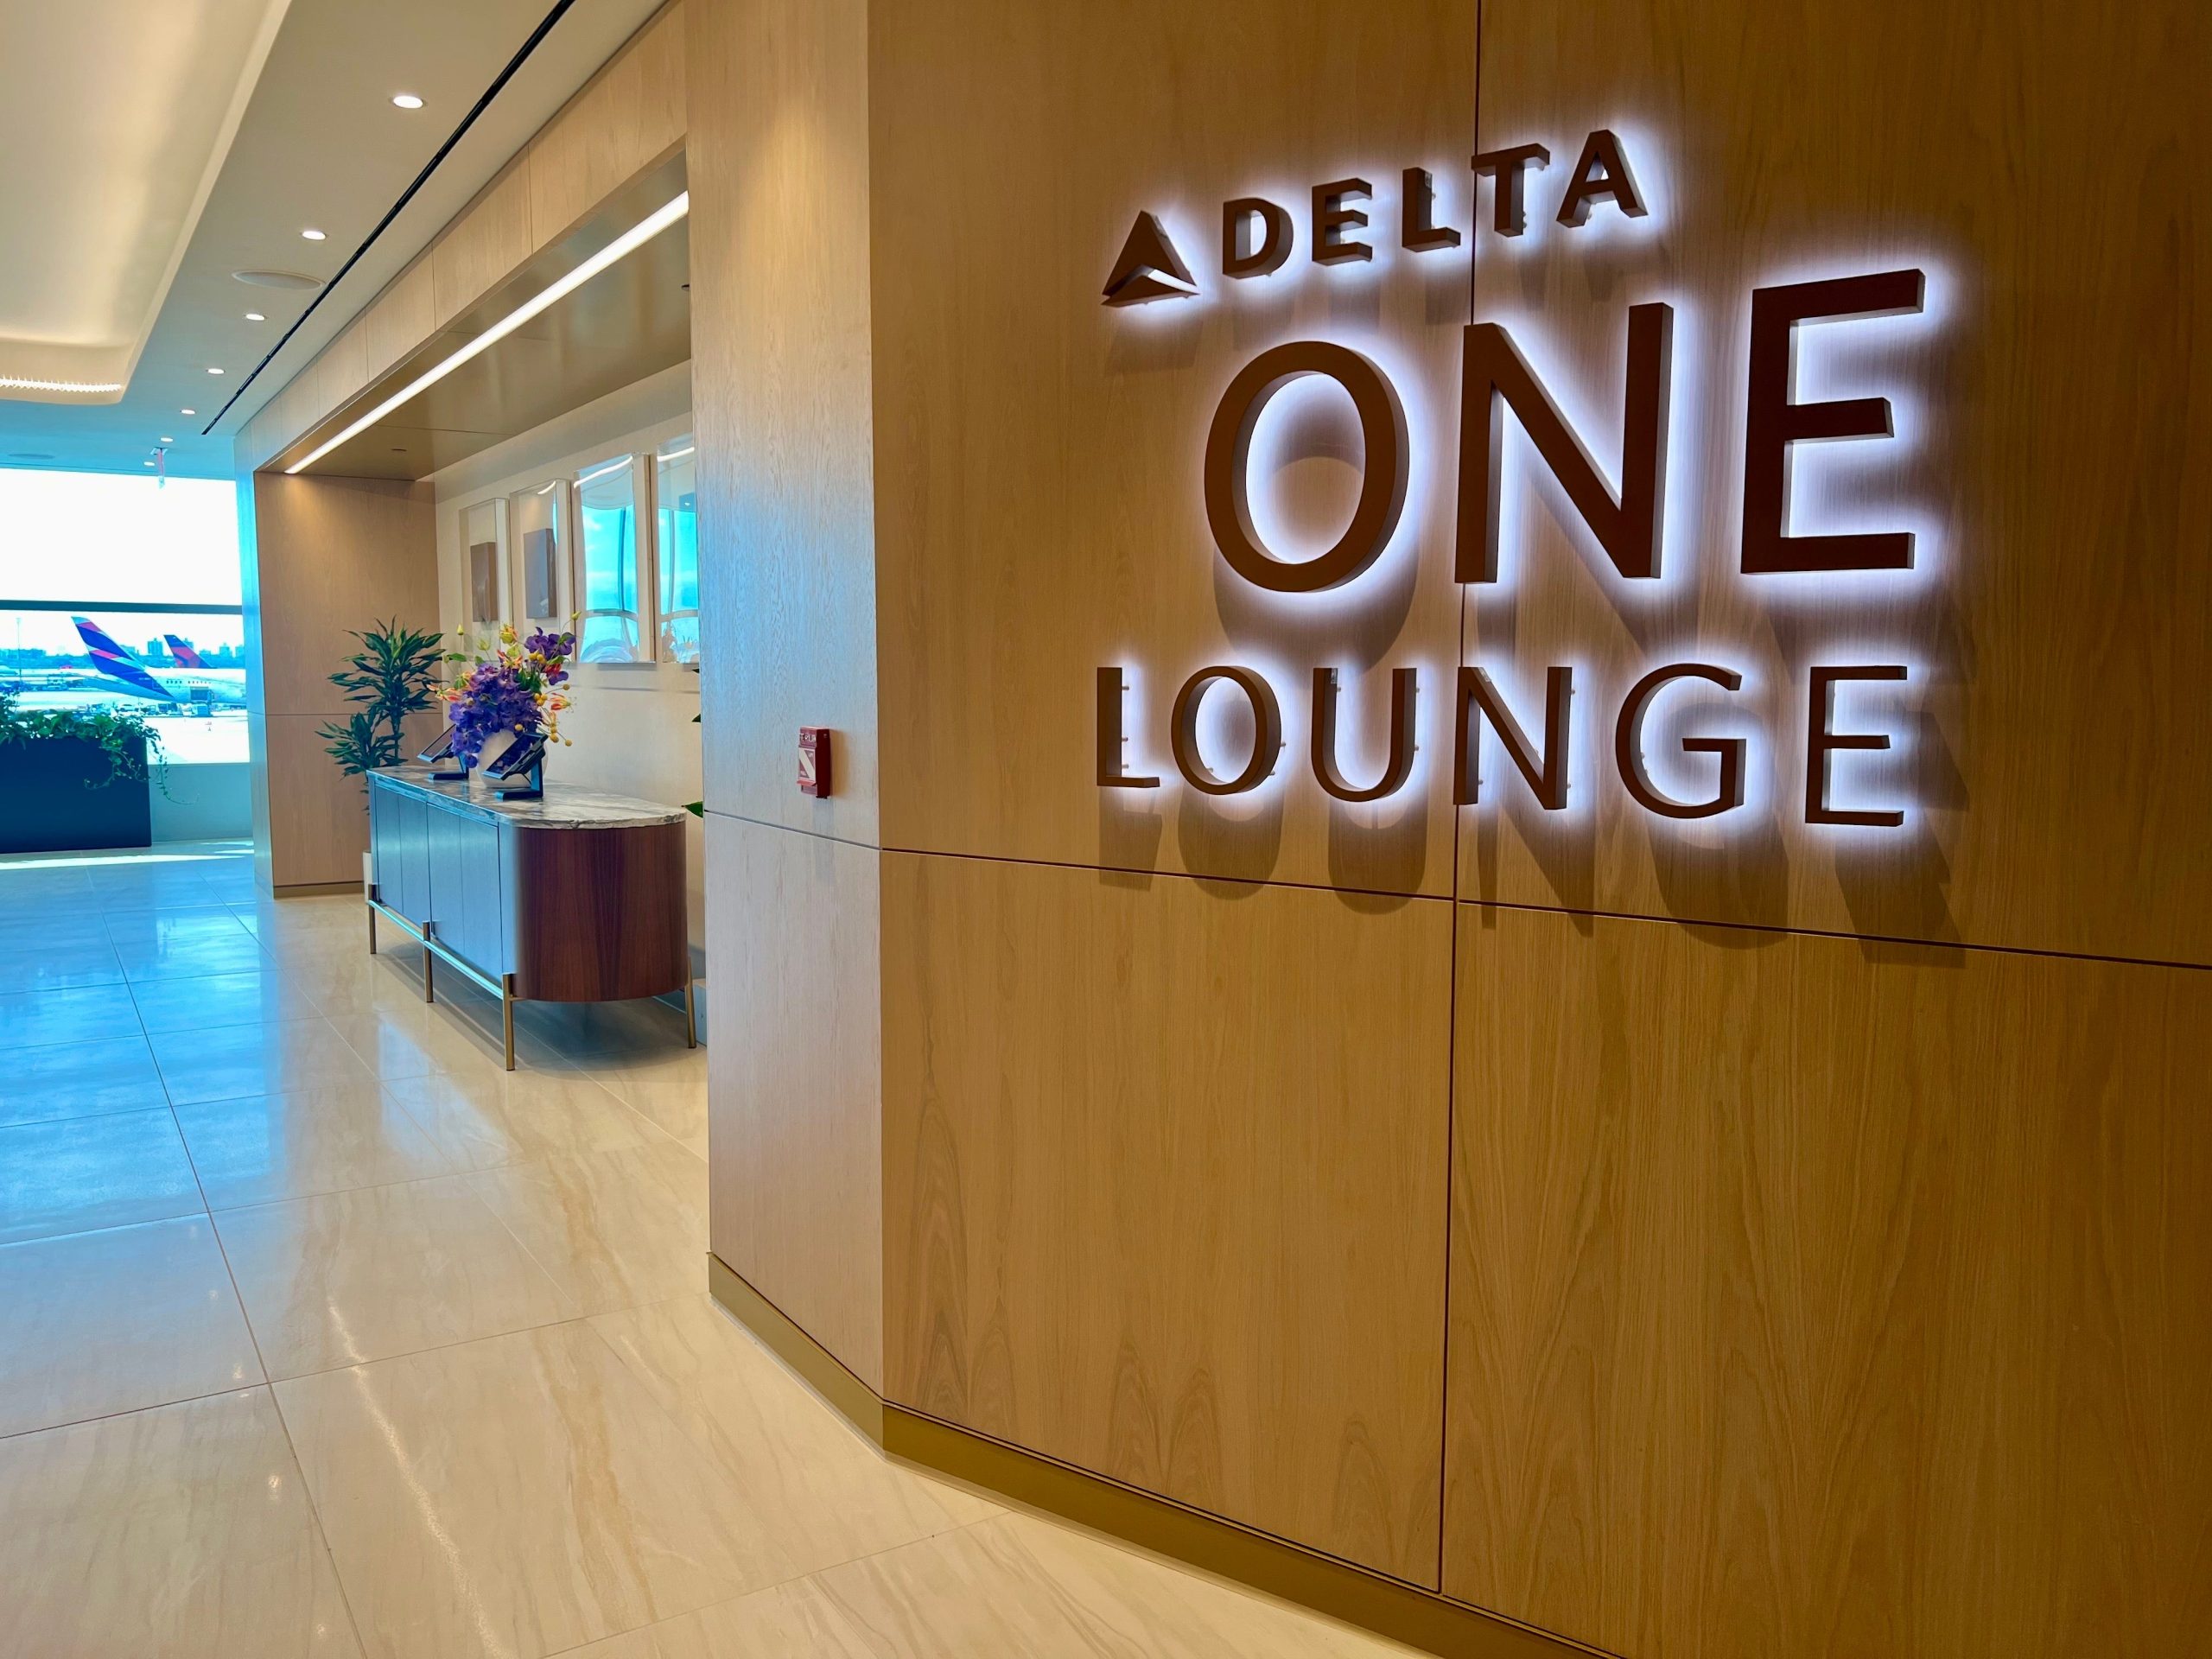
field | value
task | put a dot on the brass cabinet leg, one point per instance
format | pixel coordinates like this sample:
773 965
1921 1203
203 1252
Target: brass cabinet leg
507 1015
690 1016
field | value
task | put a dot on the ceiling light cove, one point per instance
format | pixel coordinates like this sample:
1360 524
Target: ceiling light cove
60 388
407 100
214 370
255 316
115 146
631 239
188 411
312 234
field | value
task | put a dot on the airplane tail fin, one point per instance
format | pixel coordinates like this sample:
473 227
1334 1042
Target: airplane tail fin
182 650
112 660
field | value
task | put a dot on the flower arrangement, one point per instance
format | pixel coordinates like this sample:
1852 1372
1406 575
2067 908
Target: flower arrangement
510 684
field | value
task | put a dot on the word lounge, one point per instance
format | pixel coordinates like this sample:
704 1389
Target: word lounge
1542 762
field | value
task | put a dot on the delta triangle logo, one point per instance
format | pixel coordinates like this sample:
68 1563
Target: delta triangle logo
1149 268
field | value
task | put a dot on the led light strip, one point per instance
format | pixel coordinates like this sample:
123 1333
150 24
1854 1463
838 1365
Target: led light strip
11 382
631 239
607 471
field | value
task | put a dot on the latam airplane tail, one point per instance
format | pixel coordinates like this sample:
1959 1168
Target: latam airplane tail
115 661
182 650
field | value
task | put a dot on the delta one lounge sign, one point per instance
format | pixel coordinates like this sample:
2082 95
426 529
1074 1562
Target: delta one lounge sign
1625 521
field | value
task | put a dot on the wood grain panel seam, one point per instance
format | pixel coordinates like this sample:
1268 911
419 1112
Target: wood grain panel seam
1176 875
1835 933
798 829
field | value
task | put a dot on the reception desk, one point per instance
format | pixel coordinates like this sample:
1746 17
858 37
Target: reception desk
576 897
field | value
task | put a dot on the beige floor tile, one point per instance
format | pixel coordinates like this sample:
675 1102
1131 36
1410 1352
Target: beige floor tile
353 982
59 925
414 1040
183 1532
787 1621
344 1277
261 996
81 1080
613 1229
82 1014
498 1117
78 1173
117 1320
520 1495
1017 1587
270 1059
258 1149
834 1496
668 1086
182 944
58 966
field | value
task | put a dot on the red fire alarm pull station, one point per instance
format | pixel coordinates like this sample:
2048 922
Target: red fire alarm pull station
814 760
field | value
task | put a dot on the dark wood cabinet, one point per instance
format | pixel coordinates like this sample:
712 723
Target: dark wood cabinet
578 897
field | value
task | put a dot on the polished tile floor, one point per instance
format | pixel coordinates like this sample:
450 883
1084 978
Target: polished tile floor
321 1334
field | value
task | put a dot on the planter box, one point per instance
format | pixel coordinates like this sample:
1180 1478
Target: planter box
48 804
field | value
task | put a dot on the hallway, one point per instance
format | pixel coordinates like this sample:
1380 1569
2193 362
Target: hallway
325 1336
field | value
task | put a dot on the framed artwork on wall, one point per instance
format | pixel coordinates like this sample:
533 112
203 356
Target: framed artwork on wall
676 544
613 597
535 519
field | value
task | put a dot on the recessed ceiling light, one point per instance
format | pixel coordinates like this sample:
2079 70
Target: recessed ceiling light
168 440
214 370
255 316
188 411
407 100
312 235
149 463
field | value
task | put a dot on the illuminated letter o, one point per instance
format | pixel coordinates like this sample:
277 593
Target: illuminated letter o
1267 731
1382 481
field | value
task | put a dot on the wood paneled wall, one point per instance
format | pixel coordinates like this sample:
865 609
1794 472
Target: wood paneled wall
1823 1277
778 165
323 555
1166 1202
1810 1298
1037 479
628 118
2055 409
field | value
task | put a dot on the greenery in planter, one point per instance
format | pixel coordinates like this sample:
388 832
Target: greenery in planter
392 678
124 735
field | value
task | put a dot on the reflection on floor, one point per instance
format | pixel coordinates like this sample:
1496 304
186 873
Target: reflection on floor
325 1335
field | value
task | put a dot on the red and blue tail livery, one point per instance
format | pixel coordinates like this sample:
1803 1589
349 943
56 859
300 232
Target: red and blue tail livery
182 650
112 660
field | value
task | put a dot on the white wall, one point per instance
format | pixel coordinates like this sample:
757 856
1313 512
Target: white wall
211 800
631 728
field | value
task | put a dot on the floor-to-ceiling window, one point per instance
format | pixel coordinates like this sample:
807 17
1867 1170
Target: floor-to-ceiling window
123 591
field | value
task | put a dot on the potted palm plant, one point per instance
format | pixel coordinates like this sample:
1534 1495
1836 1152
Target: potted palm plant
391 677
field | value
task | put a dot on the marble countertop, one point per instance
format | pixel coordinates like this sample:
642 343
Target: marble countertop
564 807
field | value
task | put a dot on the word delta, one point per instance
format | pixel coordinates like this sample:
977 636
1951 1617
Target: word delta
1258 235
1542 764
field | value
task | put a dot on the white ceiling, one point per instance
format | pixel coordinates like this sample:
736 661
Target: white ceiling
318 144
113 139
